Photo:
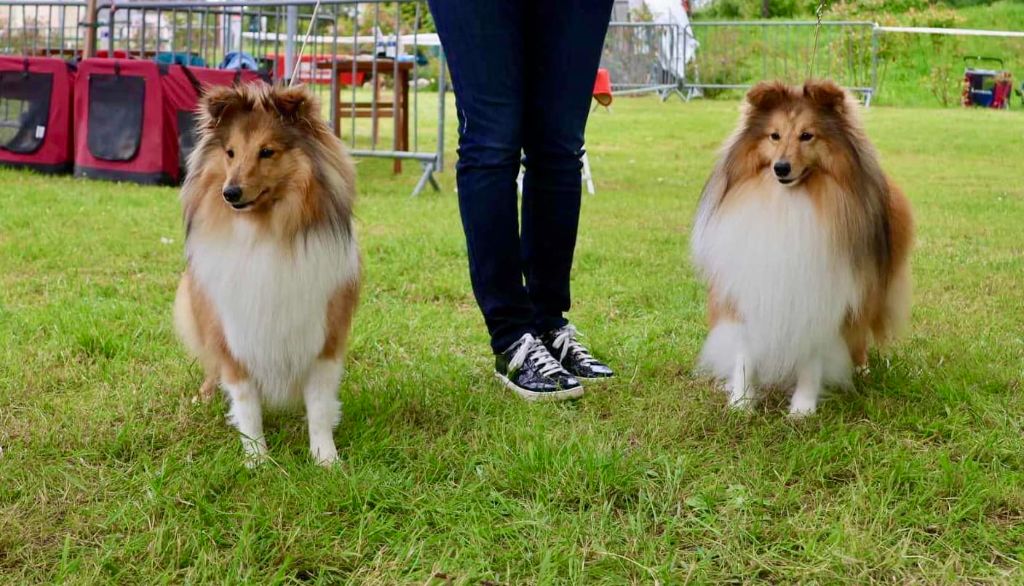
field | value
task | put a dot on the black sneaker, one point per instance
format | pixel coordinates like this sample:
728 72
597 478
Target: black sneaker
528 369
573 356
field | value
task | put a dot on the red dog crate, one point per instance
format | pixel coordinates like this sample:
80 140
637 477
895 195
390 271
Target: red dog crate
135 119
36 113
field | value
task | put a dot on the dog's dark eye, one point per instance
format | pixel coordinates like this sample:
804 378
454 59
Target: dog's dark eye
231 154
774 136
806 136
266 153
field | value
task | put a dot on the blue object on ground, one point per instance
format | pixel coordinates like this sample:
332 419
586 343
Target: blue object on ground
238 60
187 59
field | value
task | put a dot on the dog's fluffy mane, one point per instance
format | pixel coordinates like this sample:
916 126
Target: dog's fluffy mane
294 112
860 217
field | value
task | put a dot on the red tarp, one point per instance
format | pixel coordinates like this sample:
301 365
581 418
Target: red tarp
36 113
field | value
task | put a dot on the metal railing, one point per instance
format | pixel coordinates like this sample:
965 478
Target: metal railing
705 57
30 27
371 63
645 57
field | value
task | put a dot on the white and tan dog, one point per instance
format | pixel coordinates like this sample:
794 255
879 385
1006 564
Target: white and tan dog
272 280
805 245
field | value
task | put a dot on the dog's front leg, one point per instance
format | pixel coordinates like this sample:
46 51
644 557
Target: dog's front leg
808 388
741 388
323 409
247 415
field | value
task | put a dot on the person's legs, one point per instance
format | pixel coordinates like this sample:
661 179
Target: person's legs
563 53
483 41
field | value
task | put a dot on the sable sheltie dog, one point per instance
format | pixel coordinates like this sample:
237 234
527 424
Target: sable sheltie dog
272 278
804 243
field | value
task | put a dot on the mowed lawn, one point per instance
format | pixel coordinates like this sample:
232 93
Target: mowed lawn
111 471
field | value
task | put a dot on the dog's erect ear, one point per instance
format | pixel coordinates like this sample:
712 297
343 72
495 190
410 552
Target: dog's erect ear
217 103
825 94
294 103
767 95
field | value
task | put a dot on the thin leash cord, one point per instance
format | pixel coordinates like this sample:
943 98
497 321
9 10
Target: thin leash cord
817 28
309 31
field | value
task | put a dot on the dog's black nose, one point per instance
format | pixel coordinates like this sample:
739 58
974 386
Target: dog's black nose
782 169
233 194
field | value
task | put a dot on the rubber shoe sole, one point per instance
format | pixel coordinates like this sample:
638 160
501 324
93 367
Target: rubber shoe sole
595 379
527 394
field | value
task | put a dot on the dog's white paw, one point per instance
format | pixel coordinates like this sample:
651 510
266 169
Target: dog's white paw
802 407
256 452
743 403
207 390
742 397
862 370
324 455
255 459
327 462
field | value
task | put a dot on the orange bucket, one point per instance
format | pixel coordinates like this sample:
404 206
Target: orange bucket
603 88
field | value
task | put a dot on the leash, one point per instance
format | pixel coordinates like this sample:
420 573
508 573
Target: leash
822 6
309 30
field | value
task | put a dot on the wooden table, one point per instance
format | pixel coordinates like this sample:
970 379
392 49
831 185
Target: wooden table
397 109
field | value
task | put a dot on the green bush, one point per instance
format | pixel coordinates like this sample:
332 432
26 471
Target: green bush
751 9
966 3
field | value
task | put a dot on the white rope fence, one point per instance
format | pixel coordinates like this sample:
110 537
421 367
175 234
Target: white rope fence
965 32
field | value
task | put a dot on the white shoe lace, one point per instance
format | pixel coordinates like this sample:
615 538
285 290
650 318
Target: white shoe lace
566 342
530 347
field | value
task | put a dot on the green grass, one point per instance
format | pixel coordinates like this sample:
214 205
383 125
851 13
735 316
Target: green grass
1001 15
111 472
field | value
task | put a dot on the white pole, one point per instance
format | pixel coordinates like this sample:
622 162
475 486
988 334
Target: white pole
292 30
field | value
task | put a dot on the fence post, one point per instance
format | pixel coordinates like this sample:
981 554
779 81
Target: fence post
292 29
686 50
90 29
874 63
111 18
442 89
335 72
764 53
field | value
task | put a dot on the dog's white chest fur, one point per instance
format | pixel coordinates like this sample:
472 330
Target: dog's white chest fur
272 300
773 257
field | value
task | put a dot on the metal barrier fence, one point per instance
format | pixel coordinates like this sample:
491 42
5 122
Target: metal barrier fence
707 57
368 61
735 55
645 57
45 27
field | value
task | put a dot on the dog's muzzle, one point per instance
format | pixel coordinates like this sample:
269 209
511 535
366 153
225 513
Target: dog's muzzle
233 195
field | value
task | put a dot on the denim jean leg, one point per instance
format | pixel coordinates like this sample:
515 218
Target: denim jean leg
484 45
562 63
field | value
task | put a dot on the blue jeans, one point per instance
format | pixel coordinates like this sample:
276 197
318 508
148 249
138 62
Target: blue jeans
523 72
